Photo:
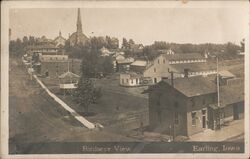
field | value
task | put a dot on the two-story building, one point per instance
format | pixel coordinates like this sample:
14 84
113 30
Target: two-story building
185 106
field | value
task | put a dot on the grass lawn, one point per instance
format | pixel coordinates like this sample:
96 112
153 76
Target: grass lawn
118 109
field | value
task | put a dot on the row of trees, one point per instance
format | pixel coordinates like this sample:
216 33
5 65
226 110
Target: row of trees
126 44
17 47
227 50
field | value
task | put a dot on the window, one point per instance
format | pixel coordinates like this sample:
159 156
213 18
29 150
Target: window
122 81
154 69
176 118
132 81
158 61
193 118
163 60
137 81
203 111
155 80
127 80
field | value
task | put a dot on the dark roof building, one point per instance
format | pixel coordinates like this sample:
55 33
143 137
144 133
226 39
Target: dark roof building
190 105
194 86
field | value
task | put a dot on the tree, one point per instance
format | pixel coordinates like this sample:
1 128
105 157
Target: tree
86 94
112 43
130 43
89 63
105 65
160 45
125 43
25 41
242 45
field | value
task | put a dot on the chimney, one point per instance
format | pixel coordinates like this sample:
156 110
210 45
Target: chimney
186 72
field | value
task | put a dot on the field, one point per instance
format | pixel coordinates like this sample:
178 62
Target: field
119 109
34 118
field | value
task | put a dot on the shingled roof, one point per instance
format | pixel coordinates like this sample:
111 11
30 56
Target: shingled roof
194 67
69 75
193 86
186 56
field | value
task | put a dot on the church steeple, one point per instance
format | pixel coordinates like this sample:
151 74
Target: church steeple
79 23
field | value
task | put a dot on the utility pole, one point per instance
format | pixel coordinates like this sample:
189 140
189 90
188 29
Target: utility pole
218 90
173 114
218 94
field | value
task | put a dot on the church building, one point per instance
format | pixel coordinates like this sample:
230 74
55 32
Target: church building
78 37
59 40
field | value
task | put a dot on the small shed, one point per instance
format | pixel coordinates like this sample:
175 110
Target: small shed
68 81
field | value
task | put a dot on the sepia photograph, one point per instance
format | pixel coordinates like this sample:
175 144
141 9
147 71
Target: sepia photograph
122 77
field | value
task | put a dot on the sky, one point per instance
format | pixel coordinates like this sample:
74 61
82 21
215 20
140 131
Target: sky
143 25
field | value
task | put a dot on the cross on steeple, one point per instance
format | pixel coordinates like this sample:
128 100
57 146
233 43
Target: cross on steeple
79 23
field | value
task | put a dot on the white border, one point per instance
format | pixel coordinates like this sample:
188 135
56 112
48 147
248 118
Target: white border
111 4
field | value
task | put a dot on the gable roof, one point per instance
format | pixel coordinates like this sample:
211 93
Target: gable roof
69 74
186 56
225 73
139 63
193 67
193 86
59 38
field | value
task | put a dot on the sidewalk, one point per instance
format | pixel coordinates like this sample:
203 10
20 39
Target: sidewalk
81 119
235 128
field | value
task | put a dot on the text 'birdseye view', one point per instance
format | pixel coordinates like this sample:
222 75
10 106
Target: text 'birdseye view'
89 80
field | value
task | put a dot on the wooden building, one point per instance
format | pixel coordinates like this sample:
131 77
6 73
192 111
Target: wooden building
186 106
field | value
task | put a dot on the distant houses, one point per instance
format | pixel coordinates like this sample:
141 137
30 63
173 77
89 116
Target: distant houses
152 72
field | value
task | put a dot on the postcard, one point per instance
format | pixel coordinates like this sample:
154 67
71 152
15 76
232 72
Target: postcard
125 79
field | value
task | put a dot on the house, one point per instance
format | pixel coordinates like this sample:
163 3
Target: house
168 52
185 106
105 52
53 68
52 56
59 40
123 65
136 48
130 79
41 48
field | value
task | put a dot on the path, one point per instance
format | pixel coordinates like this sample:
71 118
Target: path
81 119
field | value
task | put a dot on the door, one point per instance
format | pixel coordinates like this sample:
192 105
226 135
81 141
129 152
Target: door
204 118
236 112
204 122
